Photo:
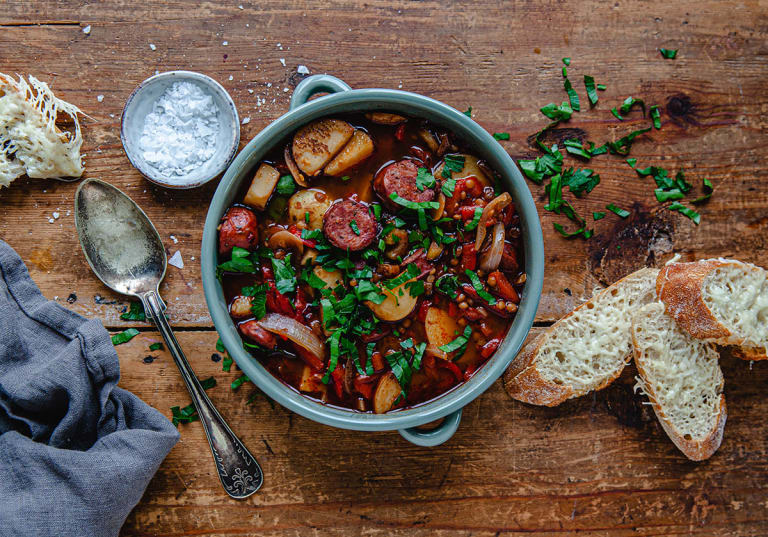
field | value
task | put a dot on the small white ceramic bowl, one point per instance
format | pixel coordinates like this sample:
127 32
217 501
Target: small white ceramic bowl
139 105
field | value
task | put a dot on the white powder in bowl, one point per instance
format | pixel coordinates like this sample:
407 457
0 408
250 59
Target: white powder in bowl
179 134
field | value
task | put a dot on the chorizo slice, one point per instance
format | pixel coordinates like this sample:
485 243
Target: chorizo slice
400 178
255 333
350 225
239 227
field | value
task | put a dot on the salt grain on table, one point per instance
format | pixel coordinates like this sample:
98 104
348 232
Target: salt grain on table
246 120
282 60
87 30
176 260
152 46
302 70
100 98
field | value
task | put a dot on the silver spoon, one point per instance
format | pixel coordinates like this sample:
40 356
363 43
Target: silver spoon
125 251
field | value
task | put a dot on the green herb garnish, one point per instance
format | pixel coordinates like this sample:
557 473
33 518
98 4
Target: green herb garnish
602 87
208 383
589 84
135 313
598 215
157 346
448 285
458 344
655 116
345 178
478 285
286 185
501 135
285 277
452 164
408 204
567 61
687 211
125 336
239 381
669 54
617 210
557 112
258 300
424 179
629 102
353 225
708 189
472 224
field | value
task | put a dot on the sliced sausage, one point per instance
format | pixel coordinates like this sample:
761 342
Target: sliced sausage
400 177
239 227
257 334
338 227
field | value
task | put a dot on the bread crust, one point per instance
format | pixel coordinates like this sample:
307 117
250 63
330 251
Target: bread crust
679 286
695 450
523 381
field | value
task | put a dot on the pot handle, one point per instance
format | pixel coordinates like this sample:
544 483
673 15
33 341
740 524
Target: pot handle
316 84
440 434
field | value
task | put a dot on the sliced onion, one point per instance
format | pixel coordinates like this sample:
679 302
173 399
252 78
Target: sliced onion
491 257
295 331
432 350
492 209
294 169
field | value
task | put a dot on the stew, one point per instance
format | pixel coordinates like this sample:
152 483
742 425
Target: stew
374 263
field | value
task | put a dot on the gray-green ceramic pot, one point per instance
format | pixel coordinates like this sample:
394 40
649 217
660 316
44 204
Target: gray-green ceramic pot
343 99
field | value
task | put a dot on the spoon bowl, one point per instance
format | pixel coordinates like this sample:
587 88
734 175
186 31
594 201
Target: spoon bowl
120 243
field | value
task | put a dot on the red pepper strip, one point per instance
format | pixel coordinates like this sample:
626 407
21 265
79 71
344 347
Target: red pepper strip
468 257
469 371
266 272
489 348
504 288
400 132
424 308
364 385
314 362
279 303
453 310
509 212
450 366
467 212
311 243
338 380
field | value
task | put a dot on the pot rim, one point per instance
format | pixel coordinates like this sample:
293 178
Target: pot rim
364 100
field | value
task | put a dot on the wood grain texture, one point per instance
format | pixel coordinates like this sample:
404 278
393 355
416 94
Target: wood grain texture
598 465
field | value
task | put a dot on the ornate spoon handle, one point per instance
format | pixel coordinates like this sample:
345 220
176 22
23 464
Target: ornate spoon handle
239 472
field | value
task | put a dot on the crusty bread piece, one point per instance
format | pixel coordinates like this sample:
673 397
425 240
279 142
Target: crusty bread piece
721 301
585 350
682 378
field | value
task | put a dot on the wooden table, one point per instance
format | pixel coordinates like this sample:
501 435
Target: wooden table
597 465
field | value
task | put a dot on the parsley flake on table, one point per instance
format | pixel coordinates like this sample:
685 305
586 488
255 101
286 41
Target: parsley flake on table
668 54
686 211
501 135
598 215
125 336
655 116
157 346
589 84
468 112
623 213
135 313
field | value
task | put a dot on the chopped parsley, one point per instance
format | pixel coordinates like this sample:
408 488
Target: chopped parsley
668 54
472 224
408 204
242 261
655 116
258 300
567 61
187 414
557 112
424 179
573 97
452 164
478 285
589 84
618 210
208 383
458 344
602 87
448 285
448 187
157 346
353 225
239 381
501 135
622 145
285 277
125 336
707 188
686 211
574 147
598 215
135 313
468 112
286 185
345 178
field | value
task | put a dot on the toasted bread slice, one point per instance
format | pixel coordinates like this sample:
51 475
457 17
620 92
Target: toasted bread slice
720 301
585 350
682 378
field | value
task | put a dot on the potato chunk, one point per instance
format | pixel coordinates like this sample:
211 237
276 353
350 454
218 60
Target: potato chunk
470 169
314 145
440 327
264 181
241 307
387 392
313 201
332 279
357 150
385 118
397 305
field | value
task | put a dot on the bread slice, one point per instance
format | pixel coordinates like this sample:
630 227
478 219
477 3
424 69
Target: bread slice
721 301
682 378
585 350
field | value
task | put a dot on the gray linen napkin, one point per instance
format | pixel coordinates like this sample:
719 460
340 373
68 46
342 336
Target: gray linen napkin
76 452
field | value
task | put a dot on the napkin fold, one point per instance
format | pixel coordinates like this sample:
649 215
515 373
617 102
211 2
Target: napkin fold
76 451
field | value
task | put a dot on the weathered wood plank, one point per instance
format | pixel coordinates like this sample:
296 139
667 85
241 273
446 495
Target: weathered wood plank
717 131
596 463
